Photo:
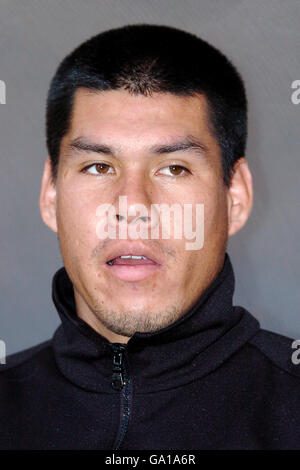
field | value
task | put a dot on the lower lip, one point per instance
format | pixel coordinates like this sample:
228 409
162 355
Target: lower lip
139 272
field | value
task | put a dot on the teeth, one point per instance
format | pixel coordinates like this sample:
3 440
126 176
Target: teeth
133 257
128 257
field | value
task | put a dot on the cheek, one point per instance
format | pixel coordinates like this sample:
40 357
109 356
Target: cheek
76 220
215 214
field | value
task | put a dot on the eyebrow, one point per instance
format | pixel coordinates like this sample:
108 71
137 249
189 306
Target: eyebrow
189 143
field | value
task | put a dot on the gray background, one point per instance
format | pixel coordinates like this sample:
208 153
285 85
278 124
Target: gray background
262 37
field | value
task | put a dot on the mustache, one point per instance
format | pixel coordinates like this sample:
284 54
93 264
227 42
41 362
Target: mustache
156 244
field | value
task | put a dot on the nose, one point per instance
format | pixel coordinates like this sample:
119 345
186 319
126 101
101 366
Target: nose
133 203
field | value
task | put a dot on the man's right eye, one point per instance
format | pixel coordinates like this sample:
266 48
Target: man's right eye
97 169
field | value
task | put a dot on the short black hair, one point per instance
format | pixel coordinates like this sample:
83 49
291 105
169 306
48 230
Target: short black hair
145 59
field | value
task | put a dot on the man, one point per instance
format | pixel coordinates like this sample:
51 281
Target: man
151 353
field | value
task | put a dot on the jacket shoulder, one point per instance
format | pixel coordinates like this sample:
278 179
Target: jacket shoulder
20 365
282 351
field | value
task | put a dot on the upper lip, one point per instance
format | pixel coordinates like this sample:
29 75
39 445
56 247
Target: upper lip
131 249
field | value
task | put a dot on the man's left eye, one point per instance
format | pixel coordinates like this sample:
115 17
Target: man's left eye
176 170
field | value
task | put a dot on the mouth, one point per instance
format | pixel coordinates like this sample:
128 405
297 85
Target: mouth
132 267
130 260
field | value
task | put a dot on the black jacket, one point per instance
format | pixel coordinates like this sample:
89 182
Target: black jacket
212 380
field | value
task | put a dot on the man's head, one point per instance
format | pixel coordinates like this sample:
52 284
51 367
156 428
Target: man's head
124 110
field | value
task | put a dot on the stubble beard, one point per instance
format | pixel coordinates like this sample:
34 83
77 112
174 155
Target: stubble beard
128 322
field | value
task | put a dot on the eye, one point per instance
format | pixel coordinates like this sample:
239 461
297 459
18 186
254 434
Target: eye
176 170
97 169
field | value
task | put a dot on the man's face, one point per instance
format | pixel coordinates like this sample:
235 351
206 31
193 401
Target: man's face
133 129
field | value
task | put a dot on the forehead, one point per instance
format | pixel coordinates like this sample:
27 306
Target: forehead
119 114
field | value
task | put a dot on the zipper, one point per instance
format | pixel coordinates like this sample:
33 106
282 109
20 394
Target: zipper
120 381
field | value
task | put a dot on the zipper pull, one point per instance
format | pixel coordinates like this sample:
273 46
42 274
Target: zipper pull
117 381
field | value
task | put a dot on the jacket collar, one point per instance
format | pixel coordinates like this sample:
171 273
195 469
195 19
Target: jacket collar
190 348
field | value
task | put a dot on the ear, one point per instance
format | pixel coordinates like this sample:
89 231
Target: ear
239 196
48 197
